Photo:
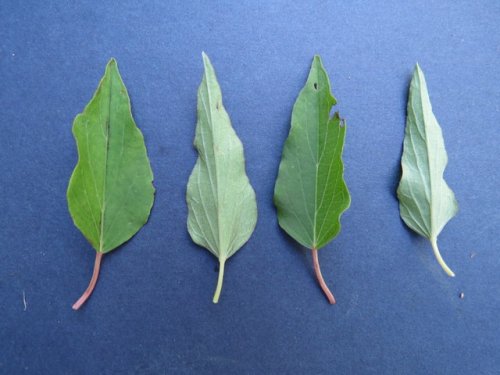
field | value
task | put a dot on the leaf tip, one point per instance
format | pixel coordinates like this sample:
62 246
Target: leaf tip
418 69
207 65
112 62
205 57
317 61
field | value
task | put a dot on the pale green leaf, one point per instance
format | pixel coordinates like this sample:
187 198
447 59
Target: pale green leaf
110 193
426 202
310 192
221 201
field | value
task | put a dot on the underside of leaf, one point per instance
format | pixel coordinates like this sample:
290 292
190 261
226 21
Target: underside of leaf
221 201
426 201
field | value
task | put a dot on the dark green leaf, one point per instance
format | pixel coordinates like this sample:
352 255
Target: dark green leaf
110 193
310 192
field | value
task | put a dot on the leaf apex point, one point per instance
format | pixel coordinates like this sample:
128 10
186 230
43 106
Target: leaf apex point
317 60
206 61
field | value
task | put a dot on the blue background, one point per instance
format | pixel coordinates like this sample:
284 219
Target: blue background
151 312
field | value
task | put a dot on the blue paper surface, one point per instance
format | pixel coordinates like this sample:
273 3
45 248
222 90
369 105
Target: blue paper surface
151 312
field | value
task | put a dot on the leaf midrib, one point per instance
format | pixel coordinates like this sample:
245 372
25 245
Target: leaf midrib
315 240
424 119
216 187
217 190
108 126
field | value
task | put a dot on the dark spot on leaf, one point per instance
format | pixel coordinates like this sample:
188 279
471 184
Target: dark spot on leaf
315 86
217 106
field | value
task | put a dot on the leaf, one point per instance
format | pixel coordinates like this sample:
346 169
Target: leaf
110 193
221 201
426 202
310 192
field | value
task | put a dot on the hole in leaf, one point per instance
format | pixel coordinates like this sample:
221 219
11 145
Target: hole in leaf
342 123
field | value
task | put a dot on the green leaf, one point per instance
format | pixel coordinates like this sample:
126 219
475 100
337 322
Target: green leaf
110 193
426 202
310 192
221 201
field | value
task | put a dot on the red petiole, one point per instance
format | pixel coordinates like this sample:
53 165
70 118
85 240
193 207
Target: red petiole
85 296
319 276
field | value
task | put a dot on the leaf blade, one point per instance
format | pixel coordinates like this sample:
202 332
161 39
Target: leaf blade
110 193
222 208
426 201
310 192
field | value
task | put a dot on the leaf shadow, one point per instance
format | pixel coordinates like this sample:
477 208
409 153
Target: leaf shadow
397 170
395 176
